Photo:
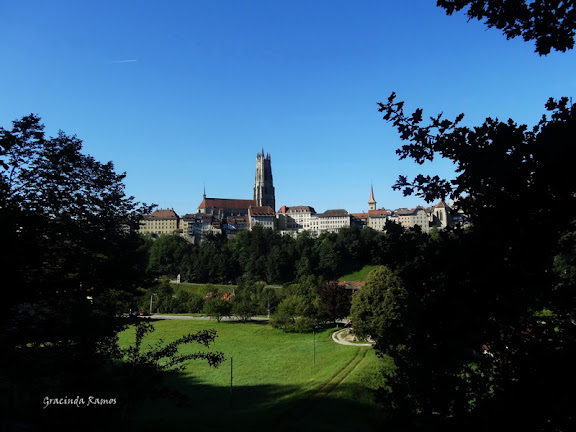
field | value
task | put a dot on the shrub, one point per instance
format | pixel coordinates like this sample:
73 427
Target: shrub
304 325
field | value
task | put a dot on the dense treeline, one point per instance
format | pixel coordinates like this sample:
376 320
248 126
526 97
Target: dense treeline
266 255
306 268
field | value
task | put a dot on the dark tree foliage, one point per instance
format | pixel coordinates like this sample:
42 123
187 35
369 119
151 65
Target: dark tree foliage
477 347
333 301
214 262
551 24
377 309
167 254
68 226
74 263
265 255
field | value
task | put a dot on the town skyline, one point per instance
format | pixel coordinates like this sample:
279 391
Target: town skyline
370 193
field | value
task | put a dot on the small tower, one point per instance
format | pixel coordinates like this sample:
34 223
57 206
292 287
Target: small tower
371 201
264 194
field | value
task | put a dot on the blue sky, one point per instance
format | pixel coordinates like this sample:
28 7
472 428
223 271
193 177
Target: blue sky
182 94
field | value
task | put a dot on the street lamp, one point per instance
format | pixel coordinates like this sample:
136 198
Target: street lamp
153 294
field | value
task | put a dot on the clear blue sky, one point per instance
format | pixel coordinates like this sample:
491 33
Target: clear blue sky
182 94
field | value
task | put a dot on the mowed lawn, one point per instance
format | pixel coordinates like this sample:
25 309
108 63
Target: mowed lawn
276 385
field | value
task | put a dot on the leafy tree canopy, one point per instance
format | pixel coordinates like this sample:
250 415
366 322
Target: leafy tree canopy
551 24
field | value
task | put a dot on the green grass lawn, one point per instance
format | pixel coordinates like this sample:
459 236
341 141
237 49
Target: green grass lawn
202 289
276 385
360 275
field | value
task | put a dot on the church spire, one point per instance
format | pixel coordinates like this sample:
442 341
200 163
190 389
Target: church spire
371 201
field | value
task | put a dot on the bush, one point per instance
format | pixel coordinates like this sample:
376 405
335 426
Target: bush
282 321
216 307
288 324
304 325
195 304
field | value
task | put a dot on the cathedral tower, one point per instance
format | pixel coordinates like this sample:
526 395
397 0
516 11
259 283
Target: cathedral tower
263 183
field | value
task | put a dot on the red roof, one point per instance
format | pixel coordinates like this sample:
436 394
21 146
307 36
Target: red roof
224 203
380 212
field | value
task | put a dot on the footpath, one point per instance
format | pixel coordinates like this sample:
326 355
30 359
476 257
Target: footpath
344 337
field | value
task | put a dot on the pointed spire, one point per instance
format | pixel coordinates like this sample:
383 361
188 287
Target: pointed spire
204 190
371 200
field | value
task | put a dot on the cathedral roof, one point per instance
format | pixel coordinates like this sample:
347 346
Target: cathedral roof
225 203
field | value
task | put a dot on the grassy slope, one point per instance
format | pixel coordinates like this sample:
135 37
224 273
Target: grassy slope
360 275
202 289
276 384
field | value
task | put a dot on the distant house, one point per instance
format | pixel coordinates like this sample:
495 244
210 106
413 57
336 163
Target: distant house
295 217
263 216
411 218
330 221
160 222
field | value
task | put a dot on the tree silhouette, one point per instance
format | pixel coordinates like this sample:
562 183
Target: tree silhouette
551 24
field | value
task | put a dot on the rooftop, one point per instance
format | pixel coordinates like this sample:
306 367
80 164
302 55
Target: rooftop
334 213
225 203
168 214
262 211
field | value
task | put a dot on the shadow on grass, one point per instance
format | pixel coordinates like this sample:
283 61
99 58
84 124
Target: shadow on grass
188 404
258 408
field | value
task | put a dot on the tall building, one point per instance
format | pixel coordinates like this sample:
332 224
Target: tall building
263 183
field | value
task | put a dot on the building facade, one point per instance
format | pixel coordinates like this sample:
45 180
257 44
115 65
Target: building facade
329 221
263 216
163 221
295 218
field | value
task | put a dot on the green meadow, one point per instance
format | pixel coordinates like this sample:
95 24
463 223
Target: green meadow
279 382
359 275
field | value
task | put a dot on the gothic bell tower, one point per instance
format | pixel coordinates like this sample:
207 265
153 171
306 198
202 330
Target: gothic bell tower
263 182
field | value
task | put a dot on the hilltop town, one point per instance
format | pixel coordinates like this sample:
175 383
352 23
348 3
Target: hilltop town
229 215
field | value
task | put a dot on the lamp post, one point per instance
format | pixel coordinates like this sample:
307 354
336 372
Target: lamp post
151 295
314 337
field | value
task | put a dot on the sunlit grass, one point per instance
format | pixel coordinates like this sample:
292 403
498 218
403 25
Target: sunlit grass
359 275
271 371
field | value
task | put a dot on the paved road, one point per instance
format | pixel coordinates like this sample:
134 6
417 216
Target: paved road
200 318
